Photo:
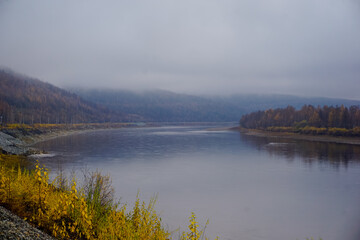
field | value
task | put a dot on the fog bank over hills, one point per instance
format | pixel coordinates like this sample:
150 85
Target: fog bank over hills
308 48
166 106
27 100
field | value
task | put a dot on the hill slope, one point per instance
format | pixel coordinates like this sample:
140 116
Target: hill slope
27 100
165 106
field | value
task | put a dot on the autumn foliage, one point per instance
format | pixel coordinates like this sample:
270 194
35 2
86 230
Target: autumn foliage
67 211
336 121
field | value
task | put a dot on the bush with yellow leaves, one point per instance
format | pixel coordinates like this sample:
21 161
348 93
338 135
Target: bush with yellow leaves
66 213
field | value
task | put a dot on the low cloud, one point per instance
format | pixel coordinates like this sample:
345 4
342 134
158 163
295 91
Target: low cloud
299 47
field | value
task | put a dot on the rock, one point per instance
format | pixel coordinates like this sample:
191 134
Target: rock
12 145
13 227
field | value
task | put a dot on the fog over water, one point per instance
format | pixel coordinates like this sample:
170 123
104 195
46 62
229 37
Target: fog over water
301 47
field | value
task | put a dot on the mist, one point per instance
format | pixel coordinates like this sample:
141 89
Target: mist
302 47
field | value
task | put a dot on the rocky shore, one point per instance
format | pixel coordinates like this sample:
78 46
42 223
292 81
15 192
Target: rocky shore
12 145
13 227
18 141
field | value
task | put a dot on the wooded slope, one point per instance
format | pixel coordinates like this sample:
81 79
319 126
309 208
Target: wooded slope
27 100
165 106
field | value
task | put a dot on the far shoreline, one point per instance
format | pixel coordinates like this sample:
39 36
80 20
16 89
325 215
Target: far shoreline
298 136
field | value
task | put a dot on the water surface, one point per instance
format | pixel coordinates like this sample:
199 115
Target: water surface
249 187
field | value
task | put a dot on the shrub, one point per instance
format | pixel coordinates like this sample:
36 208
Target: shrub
72 213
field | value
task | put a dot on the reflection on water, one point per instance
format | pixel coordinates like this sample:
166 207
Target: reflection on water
248 187
333 154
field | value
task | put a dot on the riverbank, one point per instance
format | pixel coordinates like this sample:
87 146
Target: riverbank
17 139
298 136
69 211
13 227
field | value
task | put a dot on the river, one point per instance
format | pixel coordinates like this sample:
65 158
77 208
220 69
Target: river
249 187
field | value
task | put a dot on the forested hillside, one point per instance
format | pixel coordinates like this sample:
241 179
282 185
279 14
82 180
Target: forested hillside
27 100
165 106
316 120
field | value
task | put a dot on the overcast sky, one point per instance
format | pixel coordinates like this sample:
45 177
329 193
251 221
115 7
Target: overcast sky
302 47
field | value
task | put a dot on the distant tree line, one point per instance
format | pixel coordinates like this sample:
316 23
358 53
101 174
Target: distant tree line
309 119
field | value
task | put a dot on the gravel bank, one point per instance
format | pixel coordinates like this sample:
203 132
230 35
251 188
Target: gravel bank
13 227
298 136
